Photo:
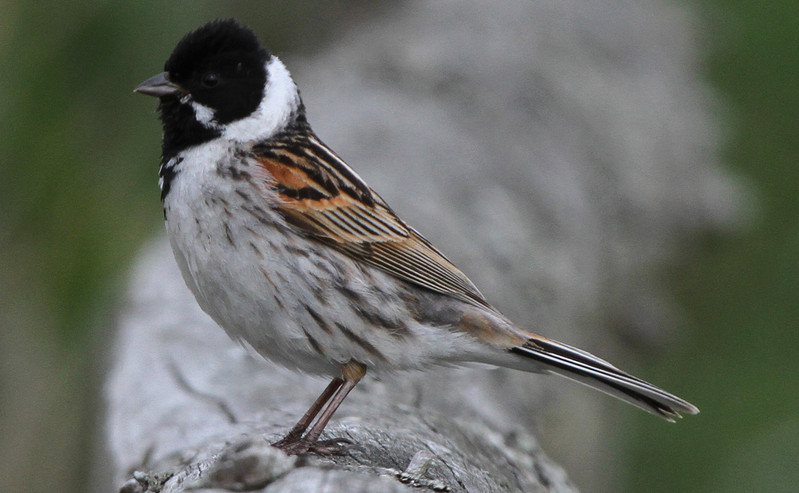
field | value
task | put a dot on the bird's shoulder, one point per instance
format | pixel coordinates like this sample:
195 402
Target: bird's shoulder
320 196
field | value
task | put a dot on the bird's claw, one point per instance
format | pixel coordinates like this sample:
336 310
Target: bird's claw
300 446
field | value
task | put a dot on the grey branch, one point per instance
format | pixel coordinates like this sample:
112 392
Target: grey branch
189 409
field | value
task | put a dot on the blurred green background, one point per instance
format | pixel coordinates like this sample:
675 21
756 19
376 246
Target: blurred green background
738 358
78 196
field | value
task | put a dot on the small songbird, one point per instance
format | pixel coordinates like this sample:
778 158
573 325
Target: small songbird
293 254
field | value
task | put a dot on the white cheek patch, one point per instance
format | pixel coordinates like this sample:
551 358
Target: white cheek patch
204 114
274 113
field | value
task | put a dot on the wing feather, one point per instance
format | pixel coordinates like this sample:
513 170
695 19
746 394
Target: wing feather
321 196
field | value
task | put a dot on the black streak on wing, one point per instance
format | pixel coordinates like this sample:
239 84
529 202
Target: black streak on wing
360 224
595 372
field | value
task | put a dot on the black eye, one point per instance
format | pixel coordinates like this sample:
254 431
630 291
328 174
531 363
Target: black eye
210 80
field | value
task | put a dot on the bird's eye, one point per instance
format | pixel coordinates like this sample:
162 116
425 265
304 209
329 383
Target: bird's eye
210 80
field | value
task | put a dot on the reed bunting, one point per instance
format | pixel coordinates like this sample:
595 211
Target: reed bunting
293 254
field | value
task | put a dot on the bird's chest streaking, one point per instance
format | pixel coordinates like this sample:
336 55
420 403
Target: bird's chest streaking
293 300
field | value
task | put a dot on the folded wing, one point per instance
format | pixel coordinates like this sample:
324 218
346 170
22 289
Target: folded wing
322 197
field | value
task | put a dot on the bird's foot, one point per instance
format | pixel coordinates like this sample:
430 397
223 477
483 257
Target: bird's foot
300 446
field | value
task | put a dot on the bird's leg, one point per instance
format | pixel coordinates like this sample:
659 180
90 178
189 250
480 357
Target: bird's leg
294 444
352 373
296 432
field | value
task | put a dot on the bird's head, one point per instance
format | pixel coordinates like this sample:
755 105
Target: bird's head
220 82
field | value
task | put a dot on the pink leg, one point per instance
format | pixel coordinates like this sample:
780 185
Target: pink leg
316 430
296 433
294 443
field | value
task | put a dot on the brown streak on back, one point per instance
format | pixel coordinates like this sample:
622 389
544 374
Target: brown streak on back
484 329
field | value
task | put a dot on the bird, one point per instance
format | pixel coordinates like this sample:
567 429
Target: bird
290 251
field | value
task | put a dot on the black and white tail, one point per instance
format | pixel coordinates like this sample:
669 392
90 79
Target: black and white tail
583 367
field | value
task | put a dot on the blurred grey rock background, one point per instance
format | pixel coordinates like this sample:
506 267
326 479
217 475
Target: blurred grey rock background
562 153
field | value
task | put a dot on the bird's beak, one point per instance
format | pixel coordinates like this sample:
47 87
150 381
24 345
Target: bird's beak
159 86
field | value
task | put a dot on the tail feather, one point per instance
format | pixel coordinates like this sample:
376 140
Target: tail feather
589 370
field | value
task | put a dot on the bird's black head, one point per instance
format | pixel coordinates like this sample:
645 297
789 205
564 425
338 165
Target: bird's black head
222 66
216 75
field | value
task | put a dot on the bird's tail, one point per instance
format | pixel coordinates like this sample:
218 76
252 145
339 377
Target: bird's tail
583 367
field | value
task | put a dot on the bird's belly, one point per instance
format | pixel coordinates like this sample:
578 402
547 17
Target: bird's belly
240 276
297 301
